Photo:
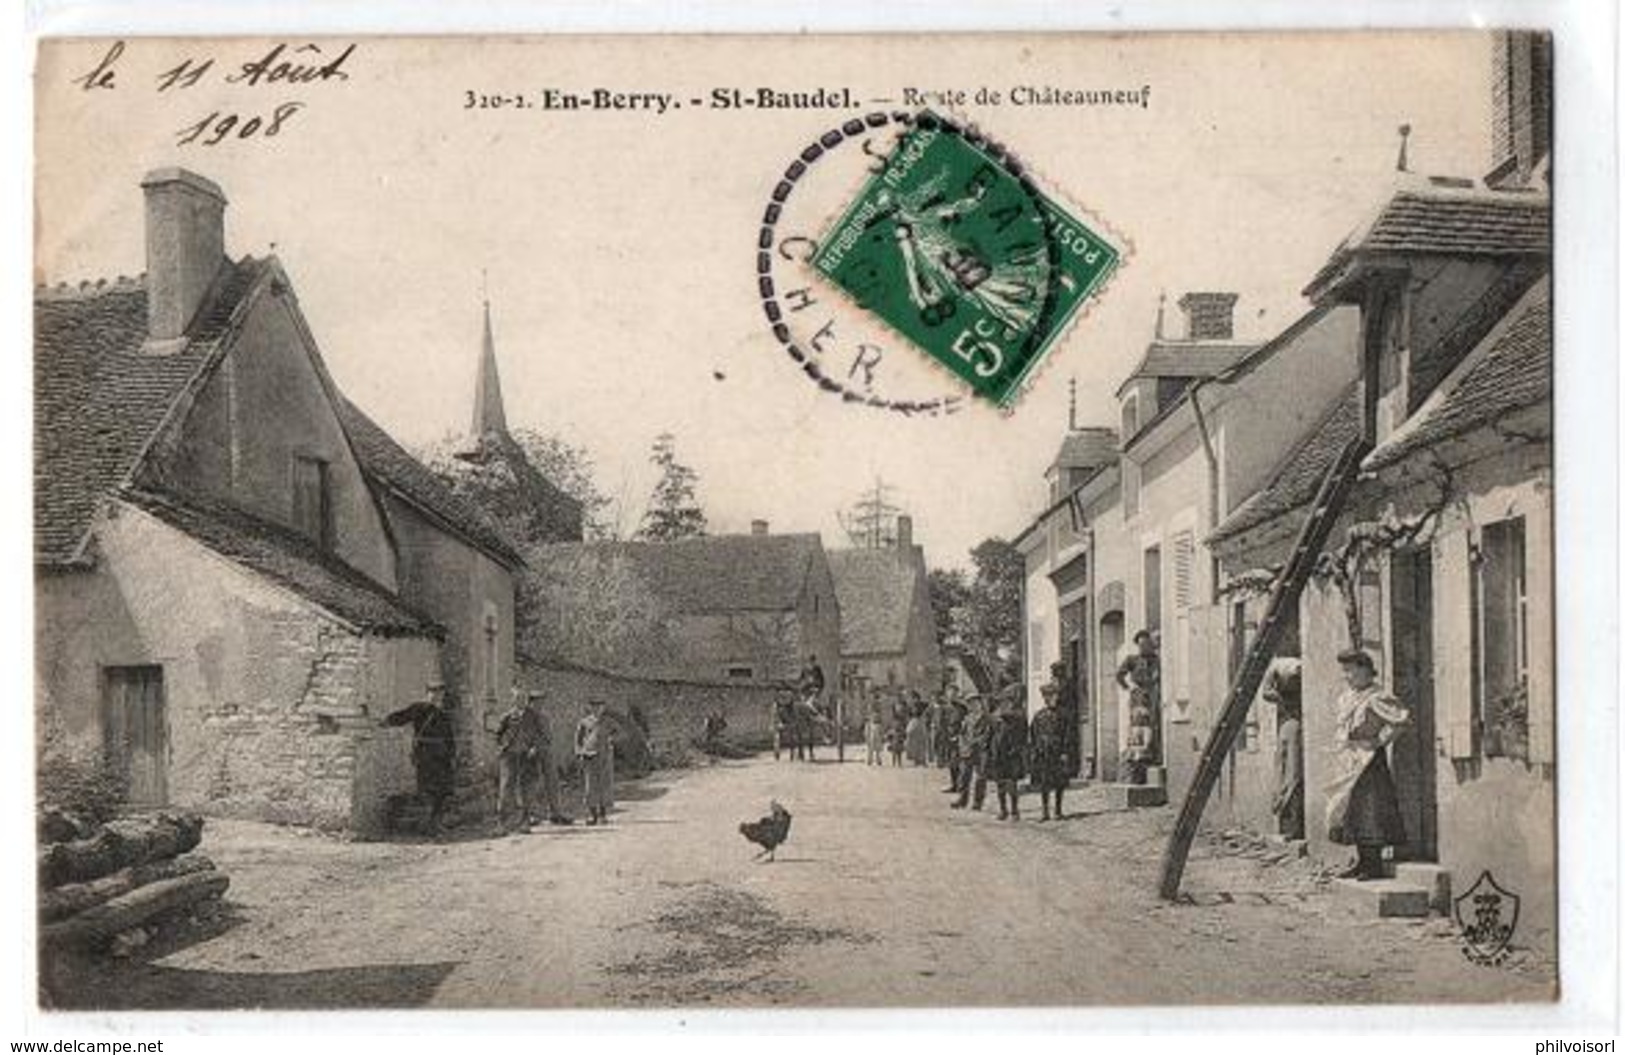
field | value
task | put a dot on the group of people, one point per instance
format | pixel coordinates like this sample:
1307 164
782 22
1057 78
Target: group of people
799 718
525 768
978 740
996 743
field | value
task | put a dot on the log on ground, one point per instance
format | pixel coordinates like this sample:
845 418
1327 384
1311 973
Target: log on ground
134 908
119 844
70 898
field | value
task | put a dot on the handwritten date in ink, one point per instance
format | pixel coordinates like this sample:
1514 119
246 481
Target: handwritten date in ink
218 127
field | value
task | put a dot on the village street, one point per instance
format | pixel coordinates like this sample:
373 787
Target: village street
882 896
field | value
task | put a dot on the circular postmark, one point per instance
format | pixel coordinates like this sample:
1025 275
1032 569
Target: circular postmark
943 258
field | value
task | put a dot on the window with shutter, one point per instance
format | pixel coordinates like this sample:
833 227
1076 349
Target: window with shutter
1502 620
312 502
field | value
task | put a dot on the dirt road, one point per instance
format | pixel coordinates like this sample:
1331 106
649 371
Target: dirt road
883 896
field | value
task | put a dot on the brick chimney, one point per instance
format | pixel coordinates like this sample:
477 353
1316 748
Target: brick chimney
186 246
1521 104
758 527
1209 316
905 532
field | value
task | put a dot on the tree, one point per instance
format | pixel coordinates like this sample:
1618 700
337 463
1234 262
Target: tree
950 593
492 486
992 622
871 522
589 605
674 512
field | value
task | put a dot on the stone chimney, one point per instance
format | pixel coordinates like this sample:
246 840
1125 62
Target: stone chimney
186 246
758 527
1209 316
905 532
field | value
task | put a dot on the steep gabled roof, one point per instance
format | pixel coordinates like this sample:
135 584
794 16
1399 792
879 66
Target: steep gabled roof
393 467
1187 359
1438 217
99 402
1297 479
716 573
1089 447
291 560
1509 370
876 588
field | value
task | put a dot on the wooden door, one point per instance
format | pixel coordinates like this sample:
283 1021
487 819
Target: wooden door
135 734
1413 755
1106 695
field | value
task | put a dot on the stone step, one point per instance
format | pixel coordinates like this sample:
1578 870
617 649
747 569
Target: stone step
1435 879
1383 898
1118 797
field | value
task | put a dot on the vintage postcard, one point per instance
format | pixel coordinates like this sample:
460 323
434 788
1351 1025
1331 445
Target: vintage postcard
621 522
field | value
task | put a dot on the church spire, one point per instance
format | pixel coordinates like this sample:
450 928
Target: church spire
488 413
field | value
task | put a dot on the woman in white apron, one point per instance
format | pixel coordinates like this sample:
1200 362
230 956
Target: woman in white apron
1362 807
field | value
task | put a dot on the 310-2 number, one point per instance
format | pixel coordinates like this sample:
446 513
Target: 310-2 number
217 127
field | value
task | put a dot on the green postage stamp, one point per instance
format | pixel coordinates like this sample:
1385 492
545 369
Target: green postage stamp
951 245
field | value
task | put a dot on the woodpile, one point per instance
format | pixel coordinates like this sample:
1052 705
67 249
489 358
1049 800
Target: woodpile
99 882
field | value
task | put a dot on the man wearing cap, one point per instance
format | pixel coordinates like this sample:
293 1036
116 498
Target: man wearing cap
434 749
1051 754
544 774
595 743
1362 806
1007 753
973 742
518 733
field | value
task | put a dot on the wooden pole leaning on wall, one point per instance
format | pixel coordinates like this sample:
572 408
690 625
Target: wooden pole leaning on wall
1323 514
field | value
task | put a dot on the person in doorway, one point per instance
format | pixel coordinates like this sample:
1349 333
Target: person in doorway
1283 687
1051 757
434 750
1362 807
973 742
1141 675
1007 754
595 743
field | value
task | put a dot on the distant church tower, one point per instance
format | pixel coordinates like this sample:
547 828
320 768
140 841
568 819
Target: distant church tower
554 516
489 416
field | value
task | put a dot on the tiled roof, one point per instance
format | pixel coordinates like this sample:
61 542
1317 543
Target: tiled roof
392 465
1425 218
98 401
1297 479
290 559
1087 448
717 573
1510 370
876 589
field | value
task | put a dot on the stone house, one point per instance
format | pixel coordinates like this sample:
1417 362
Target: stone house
1444 550
237 572
1120 549
719 608
888 631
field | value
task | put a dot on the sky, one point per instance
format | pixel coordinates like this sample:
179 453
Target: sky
617 248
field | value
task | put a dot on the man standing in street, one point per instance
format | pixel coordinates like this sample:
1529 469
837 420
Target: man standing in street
544 773
1007 753
973 742
953 723
1051 754
517 733
593 746
434 750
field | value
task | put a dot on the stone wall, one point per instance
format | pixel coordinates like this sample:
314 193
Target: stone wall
270 705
